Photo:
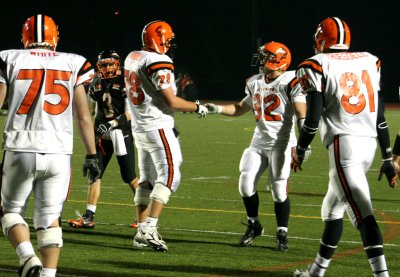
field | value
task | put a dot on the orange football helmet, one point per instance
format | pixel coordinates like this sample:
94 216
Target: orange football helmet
157 36
40 30
275 56
108 64
332 33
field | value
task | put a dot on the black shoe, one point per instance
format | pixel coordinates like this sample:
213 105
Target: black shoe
254 229
281 241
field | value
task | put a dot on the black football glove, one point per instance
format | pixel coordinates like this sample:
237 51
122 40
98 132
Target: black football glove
103 128
91 168
387 168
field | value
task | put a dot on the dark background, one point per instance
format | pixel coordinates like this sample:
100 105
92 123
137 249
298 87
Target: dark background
216 39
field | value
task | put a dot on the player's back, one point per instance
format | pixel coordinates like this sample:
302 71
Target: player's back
349 82
40 94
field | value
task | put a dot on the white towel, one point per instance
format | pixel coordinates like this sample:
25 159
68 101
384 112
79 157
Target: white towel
118 142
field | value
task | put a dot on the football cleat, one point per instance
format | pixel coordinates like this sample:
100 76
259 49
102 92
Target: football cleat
134 224
281 241
253 230
302 273
149 237
82 222
31 268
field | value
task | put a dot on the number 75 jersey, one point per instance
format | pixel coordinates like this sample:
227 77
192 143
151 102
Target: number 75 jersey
40 91
349 83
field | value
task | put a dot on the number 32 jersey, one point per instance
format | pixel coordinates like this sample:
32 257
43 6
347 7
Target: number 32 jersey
40 94
273 110
349 83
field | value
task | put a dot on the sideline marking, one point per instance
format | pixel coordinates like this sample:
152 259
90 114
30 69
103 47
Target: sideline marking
389 222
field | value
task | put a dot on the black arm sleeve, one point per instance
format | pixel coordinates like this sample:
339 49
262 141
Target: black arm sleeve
383 132
314 112
122 120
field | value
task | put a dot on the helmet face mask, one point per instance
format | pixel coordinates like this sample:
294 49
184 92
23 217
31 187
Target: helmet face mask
157 37
108 64
40 31
332 34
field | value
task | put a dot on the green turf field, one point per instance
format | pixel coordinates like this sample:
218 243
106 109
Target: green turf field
202 222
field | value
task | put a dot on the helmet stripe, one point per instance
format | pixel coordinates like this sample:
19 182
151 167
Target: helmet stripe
341 36
39 28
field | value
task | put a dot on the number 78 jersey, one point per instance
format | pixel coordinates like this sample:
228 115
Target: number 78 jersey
349 82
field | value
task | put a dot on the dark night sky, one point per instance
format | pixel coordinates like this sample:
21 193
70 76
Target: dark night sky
216 39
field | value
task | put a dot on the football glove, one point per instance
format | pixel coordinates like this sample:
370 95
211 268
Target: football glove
103 128
388 169
91 168
201 110
297 159
212 108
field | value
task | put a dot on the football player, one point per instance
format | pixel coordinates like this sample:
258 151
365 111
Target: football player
113 129
150 84
44 89
275 98
343 96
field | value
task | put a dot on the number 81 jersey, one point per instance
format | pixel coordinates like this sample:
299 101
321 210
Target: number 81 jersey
349 83
273 110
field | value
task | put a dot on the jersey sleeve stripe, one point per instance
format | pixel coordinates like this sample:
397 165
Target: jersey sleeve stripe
311 64
293 82
85 74
378 65
151 68
291 85
86 67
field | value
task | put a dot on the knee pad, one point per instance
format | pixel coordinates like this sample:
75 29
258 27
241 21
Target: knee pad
247 185
279 191
142 196
160 193
9 220
49 237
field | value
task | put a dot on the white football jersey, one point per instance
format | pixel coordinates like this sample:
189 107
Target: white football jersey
146 73
349 83
40 93
273 110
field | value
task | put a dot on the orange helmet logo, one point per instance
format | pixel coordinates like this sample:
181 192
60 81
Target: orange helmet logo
40 30
332 33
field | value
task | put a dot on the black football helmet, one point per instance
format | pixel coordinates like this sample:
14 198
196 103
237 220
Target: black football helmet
108 64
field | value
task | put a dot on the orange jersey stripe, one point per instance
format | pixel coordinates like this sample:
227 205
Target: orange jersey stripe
378 64
85 68
169 158
159 66
293 82
312 64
